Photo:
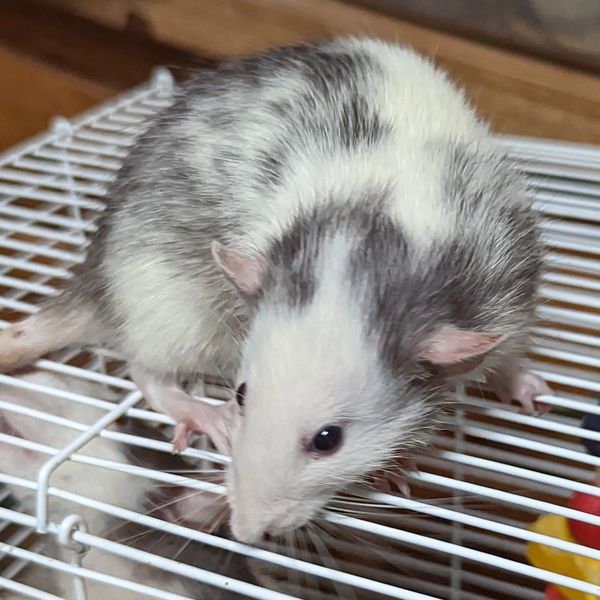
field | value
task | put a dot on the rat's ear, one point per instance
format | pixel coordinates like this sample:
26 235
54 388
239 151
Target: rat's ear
450 345
244 271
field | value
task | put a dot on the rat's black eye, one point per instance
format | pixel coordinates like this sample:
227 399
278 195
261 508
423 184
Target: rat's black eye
240 394
327 440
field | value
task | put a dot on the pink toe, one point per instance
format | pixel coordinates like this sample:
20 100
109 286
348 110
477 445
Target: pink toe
527 405
181 436
542 408
529 387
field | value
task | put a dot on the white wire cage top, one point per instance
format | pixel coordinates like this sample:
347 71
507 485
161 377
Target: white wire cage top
462 534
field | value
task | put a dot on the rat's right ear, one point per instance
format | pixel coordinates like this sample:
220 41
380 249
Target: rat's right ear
244 271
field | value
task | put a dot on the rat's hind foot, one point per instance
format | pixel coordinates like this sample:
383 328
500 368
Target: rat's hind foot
524 387
51 329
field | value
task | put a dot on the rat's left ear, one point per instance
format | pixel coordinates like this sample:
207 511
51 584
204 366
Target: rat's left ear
244 271
449 345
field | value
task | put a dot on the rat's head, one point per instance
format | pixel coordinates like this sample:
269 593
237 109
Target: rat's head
333 383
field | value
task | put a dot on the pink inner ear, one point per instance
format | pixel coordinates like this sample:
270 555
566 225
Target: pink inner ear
449 345
246 272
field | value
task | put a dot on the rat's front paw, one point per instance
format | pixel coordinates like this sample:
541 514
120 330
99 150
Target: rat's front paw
215 421
526 388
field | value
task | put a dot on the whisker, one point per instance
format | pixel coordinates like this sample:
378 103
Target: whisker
182 549
329 561
203 471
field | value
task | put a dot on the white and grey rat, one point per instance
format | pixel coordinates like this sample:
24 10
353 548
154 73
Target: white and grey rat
330 224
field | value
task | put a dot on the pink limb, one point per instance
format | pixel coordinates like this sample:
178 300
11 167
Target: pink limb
190 414
522 386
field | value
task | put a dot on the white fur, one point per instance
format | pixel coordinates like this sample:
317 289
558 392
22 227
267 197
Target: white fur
418 98
163 330
309 369
293 392
423 108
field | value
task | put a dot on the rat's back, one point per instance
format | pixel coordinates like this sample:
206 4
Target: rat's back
274 135
241 153
249 145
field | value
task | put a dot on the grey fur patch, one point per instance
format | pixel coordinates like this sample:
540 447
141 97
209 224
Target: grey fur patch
291 276
272 164
344 121
359 125
484 279
337 83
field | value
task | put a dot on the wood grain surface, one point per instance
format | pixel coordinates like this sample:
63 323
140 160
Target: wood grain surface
519 95
563 31
115 58
32 93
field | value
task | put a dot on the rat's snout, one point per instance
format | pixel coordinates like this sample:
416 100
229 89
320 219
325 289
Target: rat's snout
247 521
253 525
252 529
246 531
256 515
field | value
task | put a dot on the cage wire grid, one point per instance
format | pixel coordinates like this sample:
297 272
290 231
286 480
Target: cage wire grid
462 533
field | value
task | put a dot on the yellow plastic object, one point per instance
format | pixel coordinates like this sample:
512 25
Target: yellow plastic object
559 561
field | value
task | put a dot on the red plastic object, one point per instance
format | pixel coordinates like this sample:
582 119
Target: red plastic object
584 533
553 594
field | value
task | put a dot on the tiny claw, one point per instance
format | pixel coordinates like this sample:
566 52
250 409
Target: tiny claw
181 436
409 465
404 489
388 482
527 388
540 409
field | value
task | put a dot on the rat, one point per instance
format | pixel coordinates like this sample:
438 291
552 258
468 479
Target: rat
332 226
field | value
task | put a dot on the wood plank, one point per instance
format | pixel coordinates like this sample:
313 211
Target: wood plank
33 93
563 31
519 95
80 46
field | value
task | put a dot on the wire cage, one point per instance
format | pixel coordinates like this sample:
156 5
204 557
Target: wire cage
69 430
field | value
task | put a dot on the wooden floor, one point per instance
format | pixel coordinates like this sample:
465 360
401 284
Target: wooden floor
60 63
55 64
32 93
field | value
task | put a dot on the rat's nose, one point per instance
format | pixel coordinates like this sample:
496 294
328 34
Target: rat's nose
250 537
247 533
